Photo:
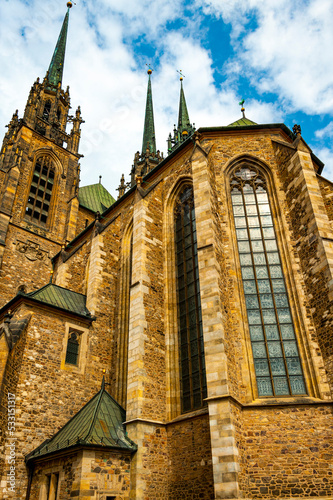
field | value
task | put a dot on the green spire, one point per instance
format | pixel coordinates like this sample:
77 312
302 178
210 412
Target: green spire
149 130
183 117
54 74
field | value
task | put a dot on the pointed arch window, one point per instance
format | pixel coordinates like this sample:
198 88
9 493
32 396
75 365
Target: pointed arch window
190 335
39 200
47 111
274 346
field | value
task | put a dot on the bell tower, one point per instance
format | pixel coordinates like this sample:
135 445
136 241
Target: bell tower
39 175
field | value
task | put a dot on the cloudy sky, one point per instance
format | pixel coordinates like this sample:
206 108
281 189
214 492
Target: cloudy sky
275 54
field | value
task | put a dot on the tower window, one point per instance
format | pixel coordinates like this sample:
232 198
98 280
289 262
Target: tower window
39 199
73 345
191 347
275 351
47 111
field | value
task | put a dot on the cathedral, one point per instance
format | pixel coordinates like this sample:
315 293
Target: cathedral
175 343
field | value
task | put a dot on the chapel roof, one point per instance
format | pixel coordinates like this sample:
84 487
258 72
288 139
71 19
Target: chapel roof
95 197
99 423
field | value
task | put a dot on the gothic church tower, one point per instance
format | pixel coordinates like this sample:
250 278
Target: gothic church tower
39 175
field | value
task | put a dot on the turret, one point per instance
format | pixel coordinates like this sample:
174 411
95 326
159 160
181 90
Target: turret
145 161
185 129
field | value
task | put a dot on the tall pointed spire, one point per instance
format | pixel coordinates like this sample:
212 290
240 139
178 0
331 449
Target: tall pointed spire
185 127
54 74
183 117
149 127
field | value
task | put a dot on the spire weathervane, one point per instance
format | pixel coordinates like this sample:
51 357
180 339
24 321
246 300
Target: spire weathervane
182 76
241 103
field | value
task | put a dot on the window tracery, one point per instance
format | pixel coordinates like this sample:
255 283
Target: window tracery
39 200
274 346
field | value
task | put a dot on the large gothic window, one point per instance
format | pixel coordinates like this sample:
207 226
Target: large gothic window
38 206
191 347
275 352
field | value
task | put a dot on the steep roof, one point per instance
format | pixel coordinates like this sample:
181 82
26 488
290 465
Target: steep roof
62 298
242 122
149 127
56 67
95 197
98 423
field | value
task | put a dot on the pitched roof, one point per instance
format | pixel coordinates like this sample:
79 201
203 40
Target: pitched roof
149 127
240 123
57 63
57 296
95 197
98 423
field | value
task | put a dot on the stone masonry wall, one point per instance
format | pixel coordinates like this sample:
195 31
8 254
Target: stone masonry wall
26 262
326 188
288 452
86 473
46 395
189 450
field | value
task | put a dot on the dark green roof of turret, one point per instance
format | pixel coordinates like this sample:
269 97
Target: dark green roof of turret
242 122
95 197
98 423
56 67
149 127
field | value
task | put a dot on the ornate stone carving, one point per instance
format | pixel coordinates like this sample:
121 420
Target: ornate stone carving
31 250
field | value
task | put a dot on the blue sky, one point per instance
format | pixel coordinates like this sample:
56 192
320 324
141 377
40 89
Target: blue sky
275 54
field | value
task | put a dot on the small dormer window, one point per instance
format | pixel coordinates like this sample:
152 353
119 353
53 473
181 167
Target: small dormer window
47 111
38 205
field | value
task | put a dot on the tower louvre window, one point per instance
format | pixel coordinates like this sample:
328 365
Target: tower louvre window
191 347
275 351
47 111
38 206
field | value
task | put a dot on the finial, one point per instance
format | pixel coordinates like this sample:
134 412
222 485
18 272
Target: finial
150 70
297 129
100 179
181 75
241 103
69 5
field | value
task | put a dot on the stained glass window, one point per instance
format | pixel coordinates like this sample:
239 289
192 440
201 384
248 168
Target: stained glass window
39 199
274 346
191 347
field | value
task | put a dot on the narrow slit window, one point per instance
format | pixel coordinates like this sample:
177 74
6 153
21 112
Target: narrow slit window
73 346
190 335
276 358
38 205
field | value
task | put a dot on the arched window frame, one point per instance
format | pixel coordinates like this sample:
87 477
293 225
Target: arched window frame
174 403
283 243
57 169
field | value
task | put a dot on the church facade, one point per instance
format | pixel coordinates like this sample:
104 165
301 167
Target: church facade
176 343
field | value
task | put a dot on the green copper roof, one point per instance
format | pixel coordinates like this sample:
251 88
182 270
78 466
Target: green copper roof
57 64
183 117
98 423
95 197
57 296
149 128
242 122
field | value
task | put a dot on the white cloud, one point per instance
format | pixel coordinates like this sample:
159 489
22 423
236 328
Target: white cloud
288 51
326 132
326 156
